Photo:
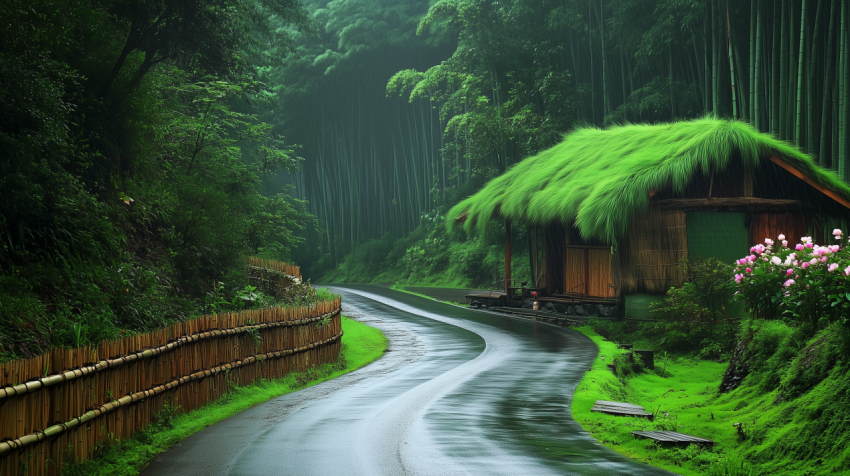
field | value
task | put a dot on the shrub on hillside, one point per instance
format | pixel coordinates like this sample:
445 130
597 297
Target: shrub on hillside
807 282
696 314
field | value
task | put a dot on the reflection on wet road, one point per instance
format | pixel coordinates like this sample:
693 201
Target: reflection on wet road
459 392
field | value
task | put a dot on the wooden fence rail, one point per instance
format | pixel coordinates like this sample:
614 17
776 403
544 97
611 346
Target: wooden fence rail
276 266
66 403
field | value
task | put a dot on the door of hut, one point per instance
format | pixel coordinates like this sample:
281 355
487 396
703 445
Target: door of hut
587 271
575 271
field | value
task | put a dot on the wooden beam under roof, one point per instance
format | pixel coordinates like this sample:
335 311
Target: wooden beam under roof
726 202
805 178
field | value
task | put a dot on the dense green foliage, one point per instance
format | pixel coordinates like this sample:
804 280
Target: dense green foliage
490 83
361 345
432 255
131 162
601 178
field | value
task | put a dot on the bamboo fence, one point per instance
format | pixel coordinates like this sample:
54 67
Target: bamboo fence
276 266
65 404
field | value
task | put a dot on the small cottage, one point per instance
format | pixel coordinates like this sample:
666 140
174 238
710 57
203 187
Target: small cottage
613 211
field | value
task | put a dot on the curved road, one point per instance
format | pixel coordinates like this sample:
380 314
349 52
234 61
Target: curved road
459 392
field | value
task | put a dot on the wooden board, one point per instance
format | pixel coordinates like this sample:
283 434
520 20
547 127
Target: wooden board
772 224
575 270
727 202
620 409
599 273
672 437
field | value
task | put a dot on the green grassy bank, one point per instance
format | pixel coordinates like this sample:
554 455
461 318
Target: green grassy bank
361 345
803 434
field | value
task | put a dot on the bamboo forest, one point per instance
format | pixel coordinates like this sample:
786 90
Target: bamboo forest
425 237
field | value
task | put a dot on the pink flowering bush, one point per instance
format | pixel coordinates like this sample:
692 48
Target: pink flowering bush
805 281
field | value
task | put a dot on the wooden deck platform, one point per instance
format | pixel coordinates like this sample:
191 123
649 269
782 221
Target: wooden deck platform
671 437
620 409
577 299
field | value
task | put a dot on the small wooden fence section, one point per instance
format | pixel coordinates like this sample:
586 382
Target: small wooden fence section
275 266
62 405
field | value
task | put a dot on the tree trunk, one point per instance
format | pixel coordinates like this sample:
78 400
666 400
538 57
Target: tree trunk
715 106
783 75
757 73
826 104
798 131
731 67
775 72
811 143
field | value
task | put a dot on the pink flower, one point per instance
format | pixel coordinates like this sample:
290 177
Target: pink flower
813 261
758 249
799 247
768 241
751 258
750 270
776 260
805 265
833 248
781 237
833 267
738 278
809 245
837 233
847 271
823 260
790 271
789 283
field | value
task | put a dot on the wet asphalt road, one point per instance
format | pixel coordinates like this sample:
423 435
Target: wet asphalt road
458 392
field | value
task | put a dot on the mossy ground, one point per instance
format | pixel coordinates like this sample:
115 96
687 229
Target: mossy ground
361 345
778 436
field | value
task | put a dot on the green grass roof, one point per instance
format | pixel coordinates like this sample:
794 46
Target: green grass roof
601 178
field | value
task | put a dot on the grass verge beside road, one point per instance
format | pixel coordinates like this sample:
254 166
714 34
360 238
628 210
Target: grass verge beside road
361 345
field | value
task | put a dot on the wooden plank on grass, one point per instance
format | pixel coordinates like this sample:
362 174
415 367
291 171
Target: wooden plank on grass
620 409
672 437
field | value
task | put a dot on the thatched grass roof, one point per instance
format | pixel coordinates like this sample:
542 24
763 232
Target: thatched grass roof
600 179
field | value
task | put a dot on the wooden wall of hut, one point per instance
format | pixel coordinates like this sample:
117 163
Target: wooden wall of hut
650 252
772 224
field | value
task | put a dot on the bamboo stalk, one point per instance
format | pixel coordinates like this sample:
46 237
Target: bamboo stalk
798 130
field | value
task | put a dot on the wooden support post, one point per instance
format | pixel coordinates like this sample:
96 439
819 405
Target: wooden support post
507 257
